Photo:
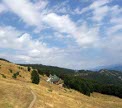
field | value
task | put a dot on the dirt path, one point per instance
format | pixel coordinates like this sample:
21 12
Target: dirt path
33 101
33 94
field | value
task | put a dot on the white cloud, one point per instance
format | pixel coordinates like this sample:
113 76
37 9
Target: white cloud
60 23
22 43
88 37
2 8
26 50
116 10
14 39
98 3
81 11
114 29
41 4
98 9
30 14
112 48
64 24
25 10
100 13
116 20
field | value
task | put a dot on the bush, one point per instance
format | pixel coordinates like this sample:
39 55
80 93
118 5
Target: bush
15 75
3 76
35 77
10 70
29 69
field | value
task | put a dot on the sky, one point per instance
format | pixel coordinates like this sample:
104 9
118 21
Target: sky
75 34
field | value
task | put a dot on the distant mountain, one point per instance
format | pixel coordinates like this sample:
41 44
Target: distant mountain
117 67
102 76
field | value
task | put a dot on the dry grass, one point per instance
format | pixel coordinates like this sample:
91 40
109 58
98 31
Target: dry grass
52 96
16 93
13 92
8 69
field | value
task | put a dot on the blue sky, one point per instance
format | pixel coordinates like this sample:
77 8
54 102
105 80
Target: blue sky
76 34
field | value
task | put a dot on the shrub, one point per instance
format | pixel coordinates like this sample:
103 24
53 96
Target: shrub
35 77
10 70
15 75
3 76
29 69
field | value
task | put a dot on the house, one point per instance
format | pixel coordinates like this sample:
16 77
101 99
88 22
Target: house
54 79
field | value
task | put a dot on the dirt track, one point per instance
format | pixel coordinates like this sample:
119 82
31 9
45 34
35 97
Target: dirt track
33 101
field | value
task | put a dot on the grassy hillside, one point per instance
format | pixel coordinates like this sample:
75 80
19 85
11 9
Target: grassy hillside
13 92
52 96
9 70
16 93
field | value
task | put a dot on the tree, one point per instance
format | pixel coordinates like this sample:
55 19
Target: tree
29 68
35 77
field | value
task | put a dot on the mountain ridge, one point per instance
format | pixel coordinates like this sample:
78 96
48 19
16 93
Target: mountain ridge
117 67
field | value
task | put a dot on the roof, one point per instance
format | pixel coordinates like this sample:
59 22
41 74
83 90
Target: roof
54 78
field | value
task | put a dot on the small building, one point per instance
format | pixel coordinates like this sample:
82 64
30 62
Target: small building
54 79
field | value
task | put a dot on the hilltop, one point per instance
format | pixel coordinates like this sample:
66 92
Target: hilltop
16 92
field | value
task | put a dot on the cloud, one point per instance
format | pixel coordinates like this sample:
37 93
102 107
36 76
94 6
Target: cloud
61 8
114 29
80 11
41 4
60 23
100 13
98 9
25 10
116 20
23 45
112 48
26 50
31 15
99 3
2 8
14 39
64 24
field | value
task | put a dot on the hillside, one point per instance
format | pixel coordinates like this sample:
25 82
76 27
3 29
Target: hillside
102 76
16 93
9 70
11 87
